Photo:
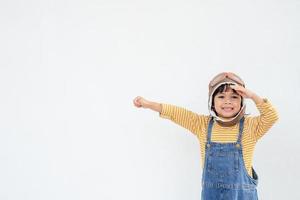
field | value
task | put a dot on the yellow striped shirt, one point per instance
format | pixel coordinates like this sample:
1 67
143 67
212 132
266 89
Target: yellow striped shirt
254 128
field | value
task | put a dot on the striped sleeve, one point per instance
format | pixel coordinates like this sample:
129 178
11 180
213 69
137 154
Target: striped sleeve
183 117
262 123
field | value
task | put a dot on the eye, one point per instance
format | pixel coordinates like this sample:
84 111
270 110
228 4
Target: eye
235 97
221 97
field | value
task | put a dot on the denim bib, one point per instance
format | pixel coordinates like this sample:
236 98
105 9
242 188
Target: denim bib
224 174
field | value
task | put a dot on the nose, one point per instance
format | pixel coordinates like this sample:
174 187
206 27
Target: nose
227 101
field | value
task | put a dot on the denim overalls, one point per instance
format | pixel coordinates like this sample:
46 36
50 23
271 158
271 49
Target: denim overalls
224 175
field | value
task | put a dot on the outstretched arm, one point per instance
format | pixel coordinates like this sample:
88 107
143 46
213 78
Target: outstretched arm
141 102
181 116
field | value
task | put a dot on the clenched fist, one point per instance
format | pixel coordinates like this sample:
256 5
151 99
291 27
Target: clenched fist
141 102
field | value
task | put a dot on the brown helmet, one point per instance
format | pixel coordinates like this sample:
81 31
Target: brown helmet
217 81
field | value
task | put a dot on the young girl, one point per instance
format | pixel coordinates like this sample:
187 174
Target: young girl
227 137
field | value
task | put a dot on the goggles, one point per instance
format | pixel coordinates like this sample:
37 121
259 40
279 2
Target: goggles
229 75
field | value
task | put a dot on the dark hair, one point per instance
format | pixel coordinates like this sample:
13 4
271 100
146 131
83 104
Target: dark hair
220 89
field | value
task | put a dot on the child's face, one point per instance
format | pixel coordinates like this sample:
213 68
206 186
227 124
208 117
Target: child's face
227 104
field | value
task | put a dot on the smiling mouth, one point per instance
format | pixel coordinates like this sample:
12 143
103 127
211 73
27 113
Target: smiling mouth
227 109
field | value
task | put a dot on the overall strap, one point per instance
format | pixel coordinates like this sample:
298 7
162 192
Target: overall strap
241 127
210 125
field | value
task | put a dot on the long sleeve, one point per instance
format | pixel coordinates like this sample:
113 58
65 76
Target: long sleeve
262 123
183 117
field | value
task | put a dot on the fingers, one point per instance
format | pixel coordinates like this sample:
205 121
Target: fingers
239 89
241 93
234 86
137 101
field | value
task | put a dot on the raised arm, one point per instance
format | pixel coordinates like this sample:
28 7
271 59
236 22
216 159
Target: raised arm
268 114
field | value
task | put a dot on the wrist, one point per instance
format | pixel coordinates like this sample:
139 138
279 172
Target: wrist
257 99
148 104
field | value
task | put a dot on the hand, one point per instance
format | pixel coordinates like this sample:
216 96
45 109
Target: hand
244 92
141 102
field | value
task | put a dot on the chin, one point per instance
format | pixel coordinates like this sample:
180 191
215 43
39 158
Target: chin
228 116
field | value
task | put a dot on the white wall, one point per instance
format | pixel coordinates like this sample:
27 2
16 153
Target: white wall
70 69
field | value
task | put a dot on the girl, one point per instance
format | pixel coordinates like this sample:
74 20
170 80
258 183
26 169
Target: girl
227 136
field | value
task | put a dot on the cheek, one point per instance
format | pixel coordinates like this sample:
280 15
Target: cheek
218 105
238 104
216 102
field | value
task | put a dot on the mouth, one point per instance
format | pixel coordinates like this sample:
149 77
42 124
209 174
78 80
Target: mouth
227 109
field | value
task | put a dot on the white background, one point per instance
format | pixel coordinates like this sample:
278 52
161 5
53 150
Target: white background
69 71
